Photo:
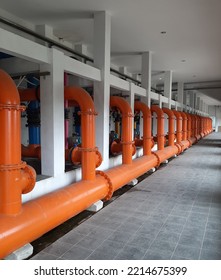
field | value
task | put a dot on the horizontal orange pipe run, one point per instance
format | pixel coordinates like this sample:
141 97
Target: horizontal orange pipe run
49 211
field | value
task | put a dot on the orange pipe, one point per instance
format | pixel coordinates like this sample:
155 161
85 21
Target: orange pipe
160 126
147 135
117 148
32 150
49 211
29 94
88 113
178 126
185 142
126 137
171 133
44 213
15 176
74 155
184 126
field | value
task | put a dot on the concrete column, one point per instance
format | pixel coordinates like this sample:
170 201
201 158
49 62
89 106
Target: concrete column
198 103
102 38
201 105
180 97
131 102
52 116
168 86
146 75
192 101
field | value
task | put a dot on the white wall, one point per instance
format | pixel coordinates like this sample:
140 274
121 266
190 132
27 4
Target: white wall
215 111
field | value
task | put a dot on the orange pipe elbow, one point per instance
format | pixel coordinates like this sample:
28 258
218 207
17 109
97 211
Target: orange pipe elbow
126 137
179 126
160 126
88 113
15 176
171 134
75 156
147 135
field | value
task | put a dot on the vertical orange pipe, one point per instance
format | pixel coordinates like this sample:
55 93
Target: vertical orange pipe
189 129
15 176
178 126
126 134
88 113
171 133
160 126
184 125
147 135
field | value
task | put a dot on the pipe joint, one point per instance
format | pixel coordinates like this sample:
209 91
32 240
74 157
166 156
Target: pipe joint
88 113
158 159
12 167
87 149
30 176
110 185
11 107
127 114
127 143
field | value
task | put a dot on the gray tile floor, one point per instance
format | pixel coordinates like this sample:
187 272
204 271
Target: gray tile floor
173 214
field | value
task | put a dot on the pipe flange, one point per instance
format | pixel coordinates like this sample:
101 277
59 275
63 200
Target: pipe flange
12 107
147 138
89 112
127 143
87 149
126 115
160 135
158 158
111 189
99 158
31 178
12 167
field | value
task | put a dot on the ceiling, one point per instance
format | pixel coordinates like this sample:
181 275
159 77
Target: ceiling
191 46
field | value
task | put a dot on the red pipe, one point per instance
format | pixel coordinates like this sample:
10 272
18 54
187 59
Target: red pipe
147 135
126 137
160 126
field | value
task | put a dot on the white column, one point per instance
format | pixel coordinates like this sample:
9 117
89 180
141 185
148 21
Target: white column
52 116
192 101
146 75
201 105
168 86
180 97
102 39
198 103
131 102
